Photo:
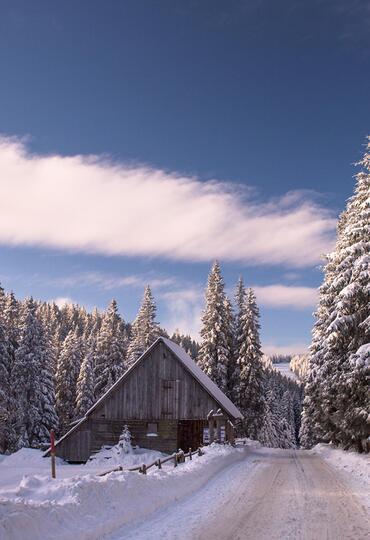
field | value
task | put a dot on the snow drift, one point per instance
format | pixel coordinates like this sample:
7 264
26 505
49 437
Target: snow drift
88 506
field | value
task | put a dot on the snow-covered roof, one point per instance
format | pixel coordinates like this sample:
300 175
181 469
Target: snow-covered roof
202 378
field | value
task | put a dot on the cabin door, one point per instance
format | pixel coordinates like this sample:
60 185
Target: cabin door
190 434
170 398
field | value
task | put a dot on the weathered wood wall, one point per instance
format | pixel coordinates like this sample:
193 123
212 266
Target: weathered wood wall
160 390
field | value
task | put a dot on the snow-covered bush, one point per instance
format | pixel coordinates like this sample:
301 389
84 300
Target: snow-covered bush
124 445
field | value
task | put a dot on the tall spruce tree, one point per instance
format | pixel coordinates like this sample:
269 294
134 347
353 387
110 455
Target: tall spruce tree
7 434
68 369
32 382
214 353
11 318
145 330
249 360
2 304
110 354
85 390
336 408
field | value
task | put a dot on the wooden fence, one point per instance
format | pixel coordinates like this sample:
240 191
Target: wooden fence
176 458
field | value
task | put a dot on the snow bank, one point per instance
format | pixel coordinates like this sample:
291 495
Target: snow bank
87 506
109 457
355 467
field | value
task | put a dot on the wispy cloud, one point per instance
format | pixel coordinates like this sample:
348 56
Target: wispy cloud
108 281
91 205
286 296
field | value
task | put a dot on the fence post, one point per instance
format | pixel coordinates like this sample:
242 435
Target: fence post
159 464
143 469
190 456
52 453
175 460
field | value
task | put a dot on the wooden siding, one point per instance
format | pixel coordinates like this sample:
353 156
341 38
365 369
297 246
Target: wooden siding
158 388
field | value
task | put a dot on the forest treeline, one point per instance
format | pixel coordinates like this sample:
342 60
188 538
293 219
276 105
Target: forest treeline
55 362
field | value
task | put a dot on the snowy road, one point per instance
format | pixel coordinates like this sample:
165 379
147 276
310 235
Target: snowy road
272 494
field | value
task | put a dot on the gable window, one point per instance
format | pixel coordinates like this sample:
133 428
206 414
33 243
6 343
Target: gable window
152 429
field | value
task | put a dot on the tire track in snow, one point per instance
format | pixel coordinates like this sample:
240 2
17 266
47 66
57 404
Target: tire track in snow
272 495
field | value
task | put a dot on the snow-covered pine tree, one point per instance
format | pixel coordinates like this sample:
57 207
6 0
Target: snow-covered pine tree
249 360
124 443
7 434
239 336
356 418
187 343
144 330
2 305
68 368
85 396
268 434
11 318
32 382
110 353
230 336
287 424
214 354
333 408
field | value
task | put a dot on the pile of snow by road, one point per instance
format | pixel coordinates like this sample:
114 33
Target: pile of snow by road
353 466
80 504
30 462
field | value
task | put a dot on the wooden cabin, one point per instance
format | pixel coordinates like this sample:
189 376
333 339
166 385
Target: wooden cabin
164 398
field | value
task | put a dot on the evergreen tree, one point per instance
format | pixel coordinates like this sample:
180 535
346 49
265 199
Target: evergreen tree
144 330
110 352
249 361
68 369
7 434
333 408
230 337
32 382
187 343
2 305
214 353
124 443
11 316
85 382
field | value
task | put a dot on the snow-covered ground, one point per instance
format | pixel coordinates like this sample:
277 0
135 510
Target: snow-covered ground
354 467
28 462
284 369
229 493
272 494
81 505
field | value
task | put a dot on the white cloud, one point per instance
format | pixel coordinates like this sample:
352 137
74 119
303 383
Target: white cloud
91 205
286 296
62 301
184 309
293 348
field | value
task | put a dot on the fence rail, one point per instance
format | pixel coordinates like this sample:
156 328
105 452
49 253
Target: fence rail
177 457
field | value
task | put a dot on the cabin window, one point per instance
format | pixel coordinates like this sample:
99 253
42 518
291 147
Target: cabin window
152 429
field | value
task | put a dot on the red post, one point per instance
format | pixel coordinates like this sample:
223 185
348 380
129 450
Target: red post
52 453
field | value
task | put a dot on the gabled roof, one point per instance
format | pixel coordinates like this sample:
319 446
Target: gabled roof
203 379
188 363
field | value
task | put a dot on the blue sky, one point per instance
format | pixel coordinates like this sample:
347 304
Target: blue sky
219 129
